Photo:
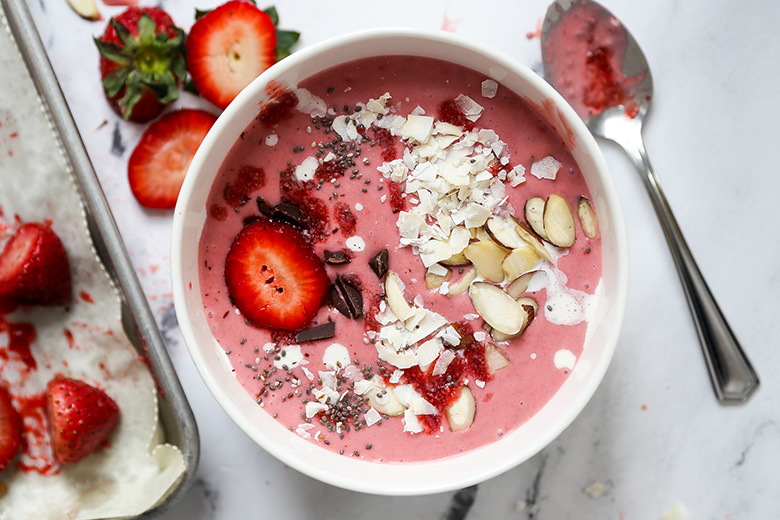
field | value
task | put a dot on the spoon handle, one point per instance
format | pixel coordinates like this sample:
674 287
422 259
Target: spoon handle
732 375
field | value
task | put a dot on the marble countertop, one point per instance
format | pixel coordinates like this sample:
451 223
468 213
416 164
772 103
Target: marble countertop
653 437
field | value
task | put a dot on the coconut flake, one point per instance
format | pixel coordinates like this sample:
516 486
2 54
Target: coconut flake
356 244
489 88
305 170
547 168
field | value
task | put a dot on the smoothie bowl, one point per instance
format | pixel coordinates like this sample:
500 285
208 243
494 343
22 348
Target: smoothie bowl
399 262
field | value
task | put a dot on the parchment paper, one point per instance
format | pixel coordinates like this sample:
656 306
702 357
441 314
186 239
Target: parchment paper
84 340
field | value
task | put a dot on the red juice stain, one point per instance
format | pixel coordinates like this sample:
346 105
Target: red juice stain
383 137
20 338
247 180
218 212
389 153
86 297
37 455
277 109
315 215
370 322
450 112
69 337
274 89
396 198
283 337
603 89
345 218
328 170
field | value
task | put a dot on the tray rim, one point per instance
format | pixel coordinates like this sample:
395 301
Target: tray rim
176 415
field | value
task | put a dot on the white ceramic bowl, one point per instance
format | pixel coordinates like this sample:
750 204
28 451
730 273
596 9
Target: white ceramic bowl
419 477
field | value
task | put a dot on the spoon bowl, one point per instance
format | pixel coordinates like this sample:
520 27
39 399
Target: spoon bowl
595 63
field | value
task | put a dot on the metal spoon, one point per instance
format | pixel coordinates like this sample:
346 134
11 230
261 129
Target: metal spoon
732 375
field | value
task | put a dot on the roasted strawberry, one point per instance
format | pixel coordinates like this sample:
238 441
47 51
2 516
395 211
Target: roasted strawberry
229 47
159 162
81 418
10 430
142 62
274 277
34 269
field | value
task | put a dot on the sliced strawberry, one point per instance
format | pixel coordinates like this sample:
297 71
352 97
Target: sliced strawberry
141 62
229 47
159 162
10 430
81 418
274 277
34 269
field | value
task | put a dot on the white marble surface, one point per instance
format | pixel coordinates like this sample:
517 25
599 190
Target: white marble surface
653 435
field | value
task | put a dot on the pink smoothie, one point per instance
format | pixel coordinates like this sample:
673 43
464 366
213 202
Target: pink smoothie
584 53
351 203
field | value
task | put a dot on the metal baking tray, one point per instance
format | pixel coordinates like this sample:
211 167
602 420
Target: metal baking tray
138 322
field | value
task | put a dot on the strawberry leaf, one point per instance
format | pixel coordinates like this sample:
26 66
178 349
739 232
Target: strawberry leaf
200 13
112 52
285 40
189 86
124 34
271 11
146 30
114 82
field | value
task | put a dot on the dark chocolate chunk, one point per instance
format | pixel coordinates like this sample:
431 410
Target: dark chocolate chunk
339 302
337 257
379 263
265 208
289 213
324 331
351 295
251 219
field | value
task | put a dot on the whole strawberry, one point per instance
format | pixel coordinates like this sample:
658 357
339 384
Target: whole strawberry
34 269
142 62
81 418
10 430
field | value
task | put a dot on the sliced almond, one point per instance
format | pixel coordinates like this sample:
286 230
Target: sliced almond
456 260
558 222
487 257
502 231
519 285
460 414
395 297
86 9
495 358
433 278
519 261
530 238
384 401
500 336
527 301
534 215
497 308
531 308
588 219
481 233
461 284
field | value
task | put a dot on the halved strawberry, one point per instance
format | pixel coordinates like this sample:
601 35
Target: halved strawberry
141 62
81 418
10 430
274 277
34 269
159 162
229 47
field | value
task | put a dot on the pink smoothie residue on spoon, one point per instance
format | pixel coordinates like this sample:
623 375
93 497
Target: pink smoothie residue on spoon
584 54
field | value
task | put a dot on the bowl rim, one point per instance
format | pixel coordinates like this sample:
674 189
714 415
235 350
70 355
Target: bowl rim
446 479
